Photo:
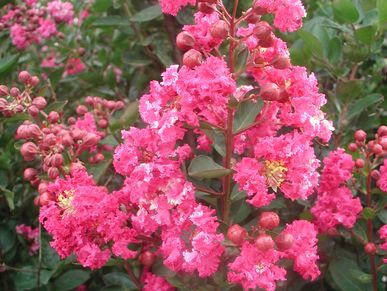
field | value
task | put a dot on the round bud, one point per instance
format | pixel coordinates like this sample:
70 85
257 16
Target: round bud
90 139
33 111
236 234
206 8
269 220
14 92
185 41
71 120
42 187
53 173
332 232
81 51
119 105
259 9
34 81
359 163
219 29
57 160
352 147
75 167
253 18
39 102
267 42
382 131
99 158
377 149
53 117
262 30
81 110
44 199
281 62
29 174
147 258
284 241
67 140
29 150
383 143
375 174
103 123
270 92
264 242
192 58
370 248
24 77
360 135
4 91
35 182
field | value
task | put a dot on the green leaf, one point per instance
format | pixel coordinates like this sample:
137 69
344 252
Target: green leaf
7 238
360 230
366 34
112 20
246 113
382 11
9 196
241 55
120 279
102 5
25 279
382 215
240 210
237 194
204 167
348 89
99 170
345 11
56 106
359 106
71 279
369 213
7 62
147 14
345 274
311 43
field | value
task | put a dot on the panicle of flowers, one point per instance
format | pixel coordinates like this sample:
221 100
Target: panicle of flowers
31 235
31 22
173 7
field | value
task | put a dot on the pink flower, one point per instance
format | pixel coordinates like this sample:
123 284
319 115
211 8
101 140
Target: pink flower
74 66
47 28
153 282
288 13
383 236
61 11
31 235
19 36
174 6
382 182
256 269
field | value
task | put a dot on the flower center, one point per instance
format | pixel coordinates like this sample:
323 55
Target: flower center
275 172
64 201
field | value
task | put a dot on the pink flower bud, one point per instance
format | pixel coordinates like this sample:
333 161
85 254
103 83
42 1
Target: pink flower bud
71 120
253 17
103 123
4 91
377 149
147 259
262 30
24 77
53 173
264 242
81 110
3 104
259 9
375 174
42 187
99 158
352 147
284 241
67 140
34 81
206 8
57 160
281 62
29 174
111 104
359 163
53 117
269 220
14 92
270 92
89 140
89 100
192 58
383 143
185 41
29 151
33 111
360 135
236 234
382 131
39 102
44 199
35 182
219 29
120 105
370 248
75 167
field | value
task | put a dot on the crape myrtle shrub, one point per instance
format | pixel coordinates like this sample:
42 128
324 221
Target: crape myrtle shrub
233 178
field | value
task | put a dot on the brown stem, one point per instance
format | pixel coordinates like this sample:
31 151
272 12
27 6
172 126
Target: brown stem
208 191
369 235
353 72
170 27
132 276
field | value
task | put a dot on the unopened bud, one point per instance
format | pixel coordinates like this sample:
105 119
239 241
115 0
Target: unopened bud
103 123
24 77
360 135
89 140
57 160
34 81
236 234
53 173
147 258
4 91
270 92
206 8
262 30
370 248
192 58
81 110
14 92
352 147
359 163
382 131
39 102
219 29
281 62
33 111
29 151
269 220
76 167
264 242
377 149
284 241
53 117
29 174
185 41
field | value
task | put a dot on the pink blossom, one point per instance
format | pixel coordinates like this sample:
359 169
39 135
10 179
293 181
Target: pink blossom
61 11
382 182
47 28
254 268
31 235
174 6
383 236
74 66
153 282
19 36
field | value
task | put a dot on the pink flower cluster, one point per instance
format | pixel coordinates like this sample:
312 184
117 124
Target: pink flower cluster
31 235
173 7
31 23
335 203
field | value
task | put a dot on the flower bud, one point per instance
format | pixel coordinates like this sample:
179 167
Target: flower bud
71 120
75 167
34 81
383 143
269 220
359 163
44 199
39 102
370 248
262 30
4 91
270 92
103 123
264 242
236 234
33 111
29 150
206 8
29 174
375 174
81 110
119 105
281 62
377 149
253 18
284 241
352 147
24 77
219 29
53 173
35 182
147 258
192 58
42 187
360 135
382 131
67 140
14 92
81 51
185 41
259 9
99 158
53 117
89 140
57 160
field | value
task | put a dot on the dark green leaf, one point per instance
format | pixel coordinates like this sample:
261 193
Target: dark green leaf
102 5
7 62
311 42
112 20
205 167
382 11
25 279
237 194
366 34
100 170
120 279
147 14
345 11
369 213
348 89
56 106
240 210
360 105
71 279
7 238
241 57
9 196
383 216
246 113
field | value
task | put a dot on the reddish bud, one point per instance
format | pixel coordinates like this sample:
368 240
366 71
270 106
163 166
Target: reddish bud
264 242
53 173
39 102
75 167
4 91
81 51
24 77
281 62
185 41
99 158
35 182
71 120
359 163
33 111
377 149
14 92
270 92
90 139
29 174
81 110
370 248
57 160
382 131
332 232
219 29
42 187
262 30
192 58
258 9
119 105
147 258
284 241
352 147
53 117
206 8
67 140
103 123
236 234
34 81
269 220
29 151
44 198
360 135
253 18
375 174
383 143
267 42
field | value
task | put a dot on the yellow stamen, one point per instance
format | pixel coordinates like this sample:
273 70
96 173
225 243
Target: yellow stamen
275 173
64 201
